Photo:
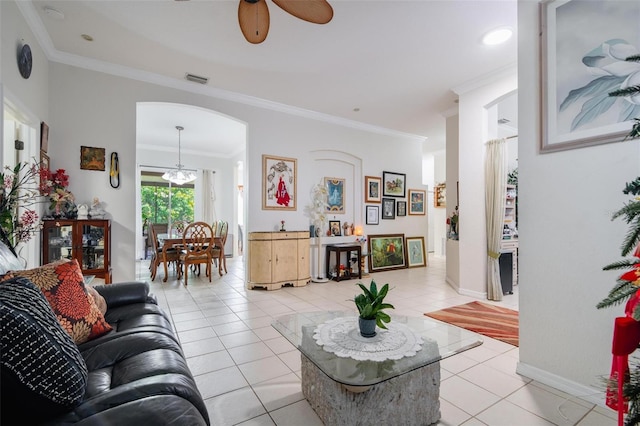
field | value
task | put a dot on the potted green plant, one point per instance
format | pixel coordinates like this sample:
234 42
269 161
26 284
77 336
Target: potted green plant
370 305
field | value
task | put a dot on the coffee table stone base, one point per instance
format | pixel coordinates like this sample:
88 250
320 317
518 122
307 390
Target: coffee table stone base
409 399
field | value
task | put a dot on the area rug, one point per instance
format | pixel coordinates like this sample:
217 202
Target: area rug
492 321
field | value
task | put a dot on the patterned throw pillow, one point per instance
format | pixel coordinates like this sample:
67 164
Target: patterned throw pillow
62 284
43 373
97 297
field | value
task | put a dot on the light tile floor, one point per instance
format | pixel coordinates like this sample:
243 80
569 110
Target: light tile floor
250 375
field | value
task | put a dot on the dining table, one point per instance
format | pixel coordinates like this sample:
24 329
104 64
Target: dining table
168 241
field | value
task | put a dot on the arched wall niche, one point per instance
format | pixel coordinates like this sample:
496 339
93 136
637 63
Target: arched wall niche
339 164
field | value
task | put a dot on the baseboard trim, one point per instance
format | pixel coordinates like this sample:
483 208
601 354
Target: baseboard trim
471 293
578 390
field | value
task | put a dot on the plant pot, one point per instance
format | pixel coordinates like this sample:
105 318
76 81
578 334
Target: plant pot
367 327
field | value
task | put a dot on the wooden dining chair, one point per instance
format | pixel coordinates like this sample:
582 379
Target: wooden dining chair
157 257
197 244
217 253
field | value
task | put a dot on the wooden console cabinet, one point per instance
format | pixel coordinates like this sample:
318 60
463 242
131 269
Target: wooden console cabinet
278 259
87 241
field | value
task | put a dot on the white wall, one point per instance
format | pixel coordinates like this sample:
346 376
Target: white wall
566 236
96 107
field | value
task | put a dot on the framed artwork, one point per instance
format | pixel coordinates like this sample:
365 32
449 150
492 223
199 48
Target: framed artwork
279 176
577 72
373 215
386 252
334 227
401 208
394 184
417 199
440 195
388 208
372 189
415 252
44 160
92 158
44 136
335 194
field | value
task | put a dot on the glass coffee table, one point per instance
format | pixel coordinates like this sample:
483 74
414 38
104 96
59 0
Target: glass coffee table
347 391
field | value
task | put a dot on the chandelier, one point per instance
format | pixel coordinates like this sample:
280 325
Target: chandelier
179 176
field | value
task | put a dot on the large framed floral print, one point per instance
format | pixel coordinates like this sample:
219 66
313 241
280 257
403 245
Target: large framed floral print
583 63
279 175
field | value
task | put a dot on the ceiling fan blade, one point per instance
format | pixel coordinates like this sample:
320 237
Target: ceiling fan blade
316 11
253 17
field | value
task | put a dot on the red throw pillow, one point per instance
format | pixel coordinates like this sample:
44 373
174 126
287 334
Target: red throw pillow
62 284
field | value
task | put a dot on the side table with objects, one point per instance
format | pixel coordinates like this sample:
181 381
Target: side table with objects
352 268
346 377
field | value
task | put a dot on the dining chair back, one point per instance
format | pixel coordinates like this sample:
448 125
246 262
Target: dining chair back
197 244
170 254
222 229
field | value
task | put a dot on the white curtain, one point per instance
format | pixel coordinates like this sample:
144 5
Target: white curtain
209 197
495 176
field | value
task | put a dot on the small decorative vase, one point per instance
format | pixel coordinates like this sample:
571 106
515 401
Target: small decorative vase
367 327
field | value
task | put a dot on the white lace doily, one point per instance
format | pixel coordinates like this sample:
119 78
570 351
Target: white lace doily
341 336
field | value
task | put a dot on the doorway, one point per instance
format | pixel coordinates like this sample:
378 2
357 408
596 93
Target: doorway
210 143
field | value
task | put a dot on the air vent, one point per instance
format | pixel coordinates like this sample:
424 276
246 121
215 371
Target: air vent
503 121
196 78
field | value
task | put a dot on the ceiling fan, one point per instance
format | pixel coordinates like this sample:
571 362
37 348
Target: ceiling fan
253 15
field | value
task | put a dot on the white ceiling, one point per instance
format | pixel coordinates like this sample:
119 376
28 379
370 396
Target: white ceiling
396 61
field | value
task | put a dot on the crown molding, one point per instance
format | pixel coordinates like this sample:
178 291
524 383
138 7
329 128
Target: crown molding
28 10
500 74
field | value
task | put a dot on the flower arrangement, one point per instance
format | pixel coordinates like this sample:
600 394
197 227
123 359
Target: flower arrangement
282 225
18 222
54 185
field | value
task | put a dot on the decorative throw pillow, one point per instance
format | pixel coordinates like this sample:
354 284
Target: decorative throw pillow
98 299
62 284
43 373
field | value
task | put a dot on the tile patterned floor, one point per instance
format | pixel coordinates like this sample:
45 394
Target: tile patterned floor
250 375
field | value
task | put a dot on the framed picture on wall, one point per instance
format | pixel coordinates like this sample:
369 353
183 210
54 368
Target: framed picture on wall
44 136
417 201
440 195
415 252
44 160
401 208
92 158
386 252
373 215
394 184
335 195
577 72
279 175
388 208
372 191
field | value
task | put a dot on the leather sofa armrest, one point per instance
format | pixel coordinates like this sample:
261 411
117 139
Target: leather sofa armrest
125 293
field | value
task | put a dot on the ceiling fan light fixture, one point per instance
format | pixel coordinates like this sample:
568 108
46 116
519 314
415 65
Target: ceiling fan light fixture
179 176
497 36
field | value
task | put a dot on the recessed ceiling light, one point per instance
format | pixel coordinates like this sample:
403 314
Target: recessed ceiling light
53 13
87 37
497 36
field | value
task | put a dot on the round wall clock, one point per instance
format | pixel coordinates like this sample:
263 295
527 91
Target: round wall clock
25 61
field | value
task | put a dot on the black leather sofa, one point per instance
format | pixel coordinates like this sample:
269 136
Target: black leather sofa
137 373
